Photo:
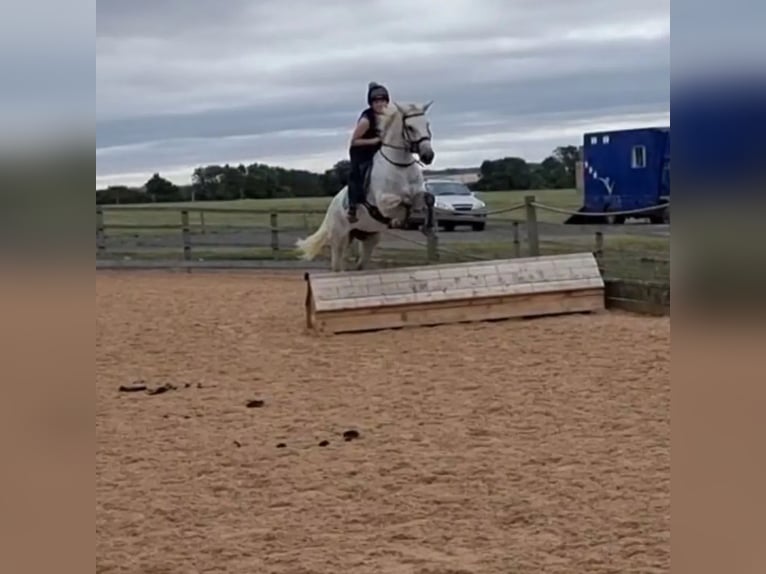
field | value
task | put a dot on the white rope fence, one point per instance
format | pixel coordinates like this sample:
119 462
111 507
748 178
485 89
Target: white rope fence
601 214
514 207
563 211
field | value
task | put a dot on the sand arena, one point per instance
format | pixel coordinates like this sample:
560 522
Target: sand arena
516 446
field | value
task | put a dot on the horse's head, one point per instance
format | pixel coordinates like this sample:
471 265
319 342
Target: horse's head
414 132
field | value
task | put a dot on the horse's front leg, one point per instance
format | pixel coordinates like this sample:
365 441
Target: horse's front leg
400 215
425 201
391 206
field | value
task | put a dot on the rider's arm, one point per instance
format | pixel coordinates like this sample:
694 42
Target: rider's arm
356 137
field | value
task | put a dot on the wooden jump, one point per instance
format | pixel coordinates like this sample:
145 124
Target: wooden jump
453 293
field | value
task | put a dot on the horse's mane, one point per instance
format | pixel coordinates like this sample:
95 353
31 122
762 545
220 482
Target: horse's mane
392 110
391 113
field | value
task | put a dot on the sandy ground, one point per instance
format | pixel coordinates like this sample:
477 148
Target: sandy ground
514 447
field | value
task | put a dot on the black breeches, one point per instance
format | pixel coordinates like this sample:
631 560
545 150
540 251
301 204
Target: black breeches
356 181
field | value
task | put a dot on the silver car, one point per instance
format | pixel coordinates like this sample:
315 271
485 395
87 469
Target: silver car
455 205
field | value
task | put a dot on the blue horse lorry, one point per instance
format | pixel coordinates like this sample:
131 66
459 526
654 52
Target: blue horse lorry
625 170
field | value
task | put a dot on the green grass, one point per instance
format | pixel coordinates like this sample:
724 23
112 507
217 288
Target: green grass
559 198
236 214
495 199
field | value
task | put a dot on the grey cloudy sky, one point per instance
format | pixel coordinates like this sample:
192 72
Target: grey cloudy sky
182 83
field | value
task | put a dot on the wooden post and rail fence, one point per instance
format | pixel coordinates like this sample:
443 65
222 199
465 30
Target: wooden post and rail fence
205 228
260 237
191 223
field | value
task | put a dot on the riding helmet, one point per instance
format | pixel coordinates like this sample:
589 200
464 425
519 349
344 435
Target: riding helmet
375 90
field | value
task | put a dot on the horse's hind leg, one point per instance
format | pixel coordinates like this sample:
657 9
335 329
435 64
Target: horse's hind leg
368 246
338 252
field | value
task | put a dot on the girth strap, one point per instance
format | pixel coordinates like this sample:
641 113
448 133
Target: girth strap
376 214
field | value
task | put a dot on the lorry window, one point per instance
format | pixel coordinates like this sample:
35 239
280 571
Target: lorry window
638 159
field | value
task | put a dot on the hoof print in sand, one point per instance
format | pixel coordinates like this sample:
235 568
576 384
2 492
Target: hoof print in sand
255 404
324 443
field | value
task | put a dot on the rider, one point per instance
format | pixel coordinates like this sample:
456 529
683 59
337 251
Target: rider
365 142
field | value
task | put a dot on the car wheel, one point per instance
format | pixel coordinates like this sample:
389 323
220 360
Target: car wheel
449 227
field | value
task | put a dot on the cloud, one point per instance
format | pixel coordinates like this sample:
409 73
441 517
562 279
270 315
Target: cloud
185 83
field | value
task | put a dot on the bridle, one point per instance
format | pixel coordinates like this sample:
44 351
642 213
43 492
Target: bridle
412 145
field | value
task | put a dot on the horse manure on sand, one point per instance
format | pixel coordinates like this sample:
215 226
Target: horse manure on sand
350 435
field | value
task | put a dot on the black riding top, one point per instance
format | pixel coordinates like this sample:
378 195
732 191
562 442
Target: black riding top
364 153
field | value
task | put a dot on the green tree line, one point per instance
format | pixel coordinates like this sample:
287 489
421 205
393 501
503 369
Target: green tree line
261 181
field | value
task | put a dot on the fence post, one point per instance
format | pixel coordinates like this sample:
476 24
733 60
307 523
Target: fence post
202 222
274 222
516 240
599 249
429 230
432 243
432 246
532 231
185 236
100 233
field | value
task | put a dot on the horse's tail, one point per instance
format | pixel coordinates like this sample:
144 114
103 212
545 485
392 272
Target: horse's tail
311 246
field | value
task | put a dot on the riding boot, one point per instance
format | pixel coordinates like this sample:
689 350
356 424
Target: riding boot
352 201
